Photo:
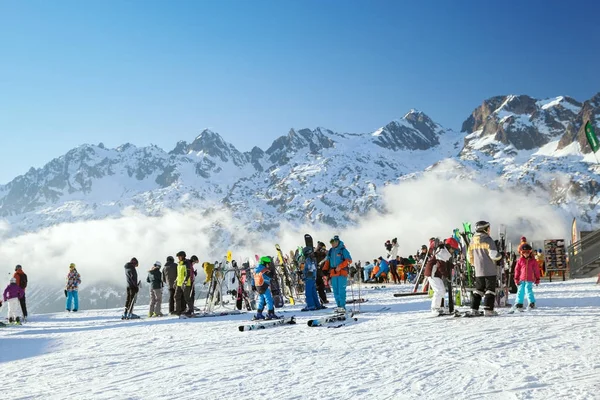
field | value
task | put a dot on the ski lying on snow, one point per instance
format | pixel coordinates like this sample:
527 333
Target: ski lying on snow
267 324
347 322
353 301
410 294
330 318
212 314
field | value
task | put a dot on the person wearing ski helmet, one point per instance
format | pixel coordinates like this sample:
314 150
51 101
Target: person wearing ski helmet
483 255
437 269
22 281
262 283
73 282
320 254
169 278
132 287
337 263
527 273
183 291
309 275
12 294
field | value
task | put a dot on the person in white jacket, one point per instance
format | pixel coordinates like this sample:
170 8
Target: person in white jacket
393 260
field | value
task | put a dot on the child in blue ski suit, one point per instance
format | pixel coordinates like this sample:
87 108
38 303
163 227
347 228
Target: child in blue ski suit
262 282
337 263
368 269
310 285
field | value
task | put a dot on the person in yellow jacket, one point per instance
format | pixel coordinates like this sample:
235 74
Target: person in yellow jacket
185 284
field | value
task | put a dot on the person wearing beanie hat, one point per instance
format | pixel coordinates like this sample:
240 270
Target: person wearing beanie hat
483 255
12 294
133 286
155 280
169 278
71 290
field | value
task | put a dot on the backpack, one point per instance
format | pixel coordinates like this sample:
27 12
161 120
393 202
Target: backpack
23 281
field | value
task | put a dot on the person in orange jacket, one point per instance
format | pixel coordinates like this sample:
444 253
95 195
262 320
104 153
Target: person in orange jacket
337 263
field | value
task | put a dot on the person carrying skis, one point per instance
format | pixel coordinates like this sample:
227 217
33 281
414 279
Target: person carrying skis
184 286
21 278
483 255
527 273
337 262
393 260
438 268
262 282
169 278
320 254
132 287
12 296
73 282
154 278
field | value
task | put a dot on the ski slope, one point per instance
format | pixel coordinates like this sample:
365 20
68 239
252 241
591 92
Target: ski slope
405 353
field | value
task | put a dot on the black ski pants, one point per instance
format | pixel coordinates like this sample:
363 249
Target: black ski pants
171 300
394 271
129 300
23 306
485 288
321 287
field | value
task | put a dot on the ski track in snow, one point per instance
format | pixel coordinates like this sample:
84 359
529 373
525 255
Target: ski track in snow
404 353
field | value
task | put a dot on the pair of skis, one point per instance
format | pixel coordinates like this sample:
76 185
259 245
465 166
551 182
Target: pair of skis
267 324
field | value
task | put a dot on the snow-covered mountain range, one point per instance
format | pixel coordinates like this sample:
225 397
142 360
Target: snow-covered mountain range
318 175
307 176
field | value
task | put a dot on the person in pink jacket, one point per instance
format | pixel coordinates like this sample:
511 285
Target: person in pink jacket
527 273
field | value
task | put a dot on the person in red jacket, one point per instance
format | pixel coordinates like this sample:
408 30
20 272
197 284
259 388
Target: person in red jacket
527 273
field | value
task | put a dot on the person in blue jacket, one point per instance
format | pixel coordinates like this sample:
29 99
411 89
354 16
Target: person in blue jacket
384 270
337 263
367 270
310 285
262 281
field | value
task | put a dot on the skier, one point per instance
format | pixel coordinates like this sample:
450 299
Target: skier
310 286
521 243
393 260
337 261
12 295
73 282
368 270
320 254
483 255
184 286
154 278
170 280
526 274
132 287
21 278
437 269
262 281
381 271
193 260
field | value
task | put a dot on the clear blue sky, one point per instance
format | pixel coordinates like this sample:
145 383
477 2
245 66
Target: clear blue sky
74 72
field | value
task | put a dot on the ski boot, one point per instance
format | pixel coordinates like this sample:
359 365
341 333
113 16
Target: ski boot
322 307
133 316
258 316
339 310
490 313
74 310
271 315
519 307
68 310
11 320
158 314
531 305
18 321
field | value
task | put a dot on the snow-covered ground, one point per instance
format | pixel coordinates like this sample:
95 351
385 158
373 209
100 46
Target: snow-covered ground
404 353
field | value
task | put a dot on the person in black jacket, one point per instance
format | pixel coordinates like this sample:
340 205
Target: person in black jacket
169 278
132 287
320 254
155 280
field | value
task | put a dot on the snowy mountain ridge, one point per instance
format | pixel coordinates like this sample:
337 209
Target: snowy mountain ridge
315 175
